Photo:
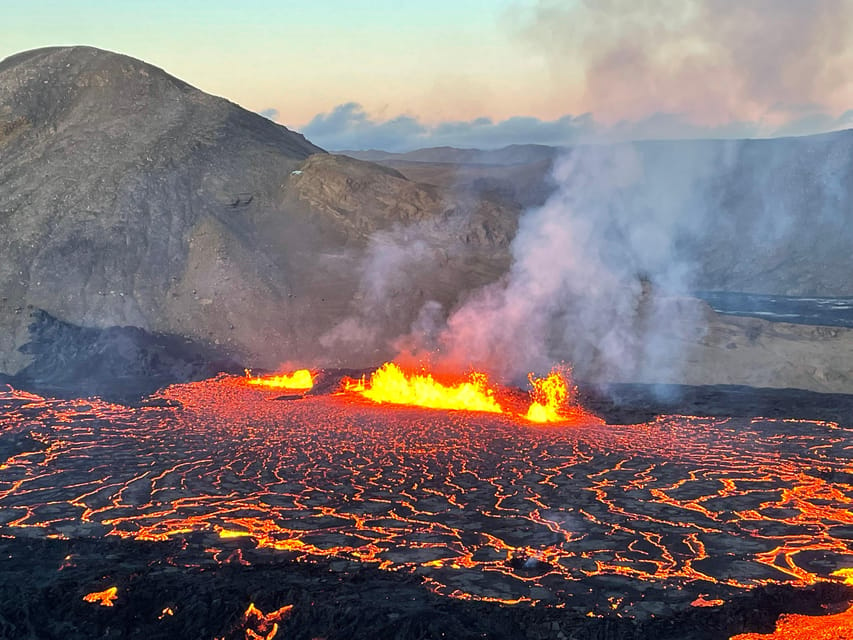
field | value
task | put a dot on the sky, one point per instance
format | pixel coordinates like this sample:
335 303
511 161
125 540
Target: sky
359 74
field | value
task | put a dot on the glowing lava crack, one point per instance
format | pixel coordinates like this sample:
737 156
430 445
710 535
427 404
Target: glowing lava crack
484 505
553 397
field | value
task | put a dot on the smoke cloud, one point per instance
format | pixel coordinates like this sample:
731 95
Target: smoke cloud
600 273
588 270
660 69
710 61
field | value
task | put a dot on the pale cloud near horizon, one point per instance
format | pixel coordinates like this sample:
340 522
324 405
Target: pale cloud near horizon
349 127
658 69
712 62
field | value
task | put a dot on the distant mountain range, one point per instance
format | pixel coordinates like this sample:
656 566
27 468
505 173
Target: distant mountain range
512 155
771 216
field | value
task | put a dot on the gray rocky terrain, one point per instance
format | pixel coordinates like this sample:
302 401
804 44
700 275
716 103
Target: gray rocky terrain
768 216
130 198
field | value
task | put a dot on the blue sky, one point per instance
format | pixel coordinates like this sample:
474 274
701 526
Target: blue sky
359 74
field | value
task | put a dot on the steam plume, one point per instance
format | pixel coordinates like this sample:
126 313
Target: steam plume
713 61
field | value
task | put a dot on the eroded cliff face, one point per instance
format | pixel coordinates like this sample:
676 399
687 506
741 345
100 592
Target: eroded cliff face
131 198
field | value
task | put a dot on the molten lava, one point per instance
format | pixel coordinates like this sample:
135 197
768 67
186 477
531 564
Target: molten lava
845 574
104 598
391 384
300 380
799 627
553 398
266 624
478 506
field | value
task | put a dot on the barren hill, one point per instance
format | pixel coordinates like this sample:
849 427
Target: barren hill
131 198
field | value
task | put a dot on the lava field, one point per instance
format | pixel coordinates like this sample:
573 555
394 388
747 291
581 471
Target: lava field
590 520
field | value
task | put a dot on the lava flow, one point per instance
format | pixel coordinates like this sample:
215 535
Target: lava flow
104 598
552 399
838 626
602 519
301 380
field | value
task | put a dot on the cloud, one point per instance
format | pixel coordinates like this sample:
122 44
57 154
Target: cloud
710 61
349 127
270 114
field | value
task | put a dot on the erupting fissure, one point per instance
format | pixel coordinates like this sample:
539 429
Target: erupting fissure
391 384
301 380
553 398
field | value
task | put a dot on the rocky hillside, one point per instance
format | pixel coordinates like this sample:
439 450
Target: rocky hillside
770 216
131 198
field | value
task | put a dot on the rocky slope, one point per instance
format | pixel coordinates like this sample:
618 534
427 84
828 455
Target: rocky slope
131 198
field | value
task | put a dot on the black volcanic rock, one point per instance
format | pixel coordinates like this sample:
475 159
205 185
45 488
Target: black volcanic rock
129 198
116 363
43 582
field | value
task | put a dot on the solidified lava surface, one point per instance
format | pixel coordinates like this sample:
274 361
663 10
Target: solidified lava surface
642 522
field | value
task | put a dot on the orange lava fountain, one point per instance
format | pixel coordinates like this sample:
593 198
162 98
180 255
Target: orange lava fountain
300 380
553 399
391 384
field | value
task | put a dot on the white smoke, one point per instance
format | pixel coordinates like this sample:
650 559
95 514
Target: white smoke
578 289
602 273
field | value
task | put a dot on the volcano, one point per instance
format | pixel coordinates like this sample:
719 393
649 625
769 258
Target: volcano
165 251
131 198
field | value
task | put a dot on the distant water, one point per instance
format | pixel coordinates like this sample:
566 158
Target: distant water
833 312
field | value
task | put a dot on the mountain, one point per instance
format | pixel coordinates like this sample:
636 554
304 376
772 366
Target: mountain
130 198
514 154
148 229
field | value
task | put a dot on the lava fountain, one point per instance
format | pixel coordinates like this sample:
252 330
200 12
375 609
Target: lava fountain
553 398
390 384
300 380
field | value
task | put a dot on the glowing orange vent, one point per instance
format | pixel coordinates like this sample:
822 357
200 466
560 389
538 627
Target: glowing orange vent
390 384
104 598
300 380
